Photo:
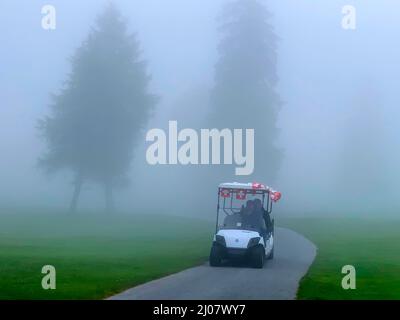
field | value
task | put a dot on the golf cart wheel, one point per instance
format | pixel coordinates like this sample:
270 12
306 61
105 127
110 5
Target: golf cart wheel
271 254
258 257
215 256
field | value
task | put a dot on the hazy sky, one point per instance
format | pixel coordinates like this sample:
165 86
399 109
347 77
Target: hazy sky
324 71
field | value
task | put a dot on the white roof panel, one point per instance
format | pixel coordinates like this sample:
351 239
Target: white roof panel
245 186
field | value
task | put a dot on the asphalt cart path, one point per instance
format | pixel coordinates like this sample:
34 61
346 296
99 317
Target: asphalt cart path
278 280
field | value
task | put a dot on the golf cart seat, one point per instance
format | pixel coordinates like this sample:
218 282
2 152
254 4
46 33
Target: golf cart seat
232 221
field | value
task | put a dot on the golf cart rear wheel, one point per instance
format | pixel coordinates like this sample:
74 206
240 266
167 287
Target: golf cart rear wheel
258 257
215 256
271 254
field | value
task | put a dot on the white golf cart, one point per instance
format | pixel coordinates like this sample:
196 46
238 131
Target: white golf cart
246 229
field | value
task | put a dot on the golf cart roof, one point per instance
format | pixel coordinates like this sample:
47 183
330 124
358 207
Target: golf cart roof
241 189
245 186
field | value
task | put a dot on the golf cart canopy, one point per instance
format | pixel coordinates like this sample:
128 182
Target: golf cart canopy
240 190
233 196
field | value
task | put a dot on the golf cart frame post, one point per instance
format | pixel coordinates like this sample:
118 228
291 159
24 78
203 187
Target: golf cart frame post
233 190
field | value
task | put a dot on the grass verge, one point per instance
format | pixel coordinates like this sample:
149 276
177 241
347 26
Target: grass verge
372 246
94 256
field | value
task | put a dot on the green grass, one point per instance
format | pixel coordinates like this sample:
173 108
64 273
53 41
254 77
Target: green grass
95 256
372 246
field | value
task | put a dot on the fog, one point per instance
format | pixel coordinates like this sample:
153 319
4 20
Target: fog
338 123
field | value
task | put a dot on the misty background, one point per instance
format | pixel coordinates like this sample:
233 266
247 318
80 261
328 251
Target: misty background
338 121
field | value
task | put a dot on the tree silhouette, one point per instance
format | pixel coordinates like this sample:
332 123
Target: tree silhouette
244 94
98 115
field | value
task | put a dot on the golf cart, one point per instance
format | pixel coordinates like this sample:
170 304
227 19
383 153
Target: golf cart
244 227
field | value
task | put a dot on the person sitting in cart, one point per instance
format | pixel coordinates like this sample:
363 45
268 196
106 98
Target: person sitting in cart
249 208
252 215
265 217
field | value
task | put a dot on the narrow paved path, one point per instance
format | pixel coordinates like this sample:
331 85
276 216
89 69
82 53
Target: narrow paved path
278 280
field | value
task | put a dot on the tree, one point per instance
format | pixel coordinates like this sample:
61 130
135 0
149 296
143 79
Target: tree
244 95
98 115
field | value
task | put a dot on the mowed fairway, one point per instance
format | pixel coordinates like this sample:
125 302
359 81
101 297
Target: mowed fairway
98 256
372 246
95 256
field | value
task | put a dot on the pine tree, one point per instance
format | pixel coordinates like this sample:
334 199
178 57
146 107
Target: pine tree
98 115
244 94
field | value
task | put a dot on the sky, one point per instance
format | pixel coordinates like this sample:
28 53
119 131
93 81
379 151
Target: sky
327 76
